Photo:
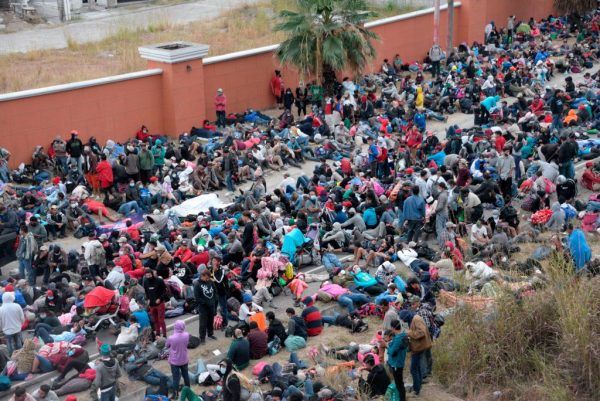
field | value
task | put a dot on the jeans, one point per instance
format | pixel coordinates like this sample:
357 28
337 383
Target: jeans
348 300
14 342
223 306
414 230
127 207
176 370
416 372
297 361
426 363
108 395
229 181
153 378
557 121
568 169
330 261
26 271
330 320
440 225
418 265
43 331
54 229
45 365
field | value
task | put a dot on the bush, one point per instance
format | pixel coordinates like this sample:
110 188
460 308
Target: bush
545 346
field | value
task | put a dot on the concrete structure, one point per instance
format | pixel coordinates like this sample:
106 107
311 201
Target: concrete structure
177 91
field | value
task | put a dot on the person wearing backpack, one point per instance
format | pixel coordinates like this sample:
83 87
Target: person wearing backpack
436 54
397 347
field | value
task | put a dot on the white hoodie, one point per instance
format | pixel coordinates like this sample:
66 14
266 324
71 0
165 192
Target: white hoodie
11 315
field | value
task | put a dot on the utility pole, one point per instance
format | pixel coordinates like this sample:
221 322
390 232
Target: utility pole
436 22
450 45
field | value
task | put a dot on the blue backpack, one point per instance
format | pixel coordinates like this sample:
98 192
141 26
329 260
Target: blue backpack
4 383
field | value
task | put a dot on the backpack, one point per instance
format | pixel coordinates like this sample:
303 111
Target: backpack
550 187
391 394
194 342
4 383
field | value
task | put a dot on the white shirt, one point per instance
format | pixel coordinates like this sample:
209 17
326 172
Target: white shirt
287 181
407 256
245 311
477 232
116 277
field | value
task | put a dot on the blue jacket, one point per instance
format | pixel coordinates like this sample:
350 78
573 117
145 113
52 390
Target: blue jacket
414 208
370 217
397 350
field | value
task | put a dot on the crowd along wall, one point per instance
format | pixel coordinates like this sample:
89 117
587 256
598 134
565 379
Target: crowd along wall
178 89
106 108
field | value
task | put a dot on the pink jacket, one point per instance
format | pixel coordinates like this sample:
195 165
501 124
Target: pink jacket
220 102
334 290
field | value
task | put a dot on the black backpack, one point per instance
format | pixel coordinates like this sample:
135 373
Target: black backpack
194 342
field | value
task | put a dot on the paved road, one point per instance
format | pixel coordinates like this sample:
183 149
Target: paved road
98 25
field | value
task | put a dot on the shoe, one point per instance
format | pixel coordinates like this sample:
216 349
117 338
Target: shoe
212 337
202 341
272 305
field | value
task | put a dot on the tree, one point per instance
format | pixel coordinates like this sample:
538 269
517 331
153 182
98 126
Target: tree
325 36
575 6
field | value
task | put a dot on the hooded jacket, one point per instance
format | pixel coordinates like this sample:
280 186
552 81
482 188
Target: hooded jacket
178 343
107 373
11 315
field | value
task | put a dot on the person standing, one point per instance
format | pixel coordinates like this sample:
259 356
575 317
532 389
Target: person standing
222 286
11 321
301 98
178 356
419 342
146 159
557 107
505 167
206 299
228 166
441 211
155 291
105 176
75 150
566 155
107 374
414 215
25 252
277 87
397 347
220 106
436 54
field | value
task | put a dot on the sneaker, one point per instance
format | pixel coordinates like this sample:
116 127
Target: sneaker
202 341
212 337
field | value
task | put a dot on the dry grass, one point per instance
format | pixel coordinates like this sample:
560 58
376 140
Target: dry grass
241 28
541 347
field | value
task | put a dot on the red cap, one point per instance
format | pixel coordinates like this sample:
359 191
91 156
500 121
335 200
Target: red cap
9 288
50 293
410 170
153 179
56 180
589 164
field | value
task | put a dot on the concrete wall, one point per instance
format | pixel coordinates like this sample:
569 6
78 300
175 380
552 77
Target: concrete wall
108 108
170 98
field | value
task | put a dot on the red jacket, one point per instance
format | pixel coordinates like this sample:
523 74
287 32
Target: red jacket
589 178
184 254
220 102
276 86
105 174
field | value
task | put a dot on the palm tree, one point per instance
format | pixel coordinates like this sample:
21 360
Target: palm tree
326 36
575 6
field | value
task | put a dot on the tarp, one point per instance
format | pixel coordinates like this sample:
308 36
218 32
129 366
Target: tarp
198 204
99 296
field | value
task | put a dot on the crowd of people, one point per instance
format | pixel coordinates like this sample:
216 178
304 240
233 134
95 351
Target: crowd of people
385 191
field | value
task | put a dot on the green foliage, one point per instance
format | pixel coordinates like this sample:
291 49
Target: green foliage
324 33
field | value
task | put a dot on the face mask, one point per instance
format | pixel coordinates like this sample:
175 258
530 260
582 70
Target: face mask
177 264
219 389
71 353
121 253
141 186
131 358
132 185
73 205
43 316
222 369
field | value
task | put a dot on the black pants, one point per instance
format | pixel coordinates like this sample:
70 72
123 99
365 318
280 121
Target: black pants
221 119
301 108
399 380
506 187
145 175
414 228
485 115
435 68
207 317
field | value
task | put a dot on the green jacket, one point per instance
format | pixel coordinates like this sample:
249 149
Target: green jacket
146 160
159 155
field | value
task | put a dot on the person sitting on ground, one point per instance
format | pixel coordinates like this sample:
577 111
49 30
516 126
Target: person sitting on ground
377 380
239 350
258 340
312 317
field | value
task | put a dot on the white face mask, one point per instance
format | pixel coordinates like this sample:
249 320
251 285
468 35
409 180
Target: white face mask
121 253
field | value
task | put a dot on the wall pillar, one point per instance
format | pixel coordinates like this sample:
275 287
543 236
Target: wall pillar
182 82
